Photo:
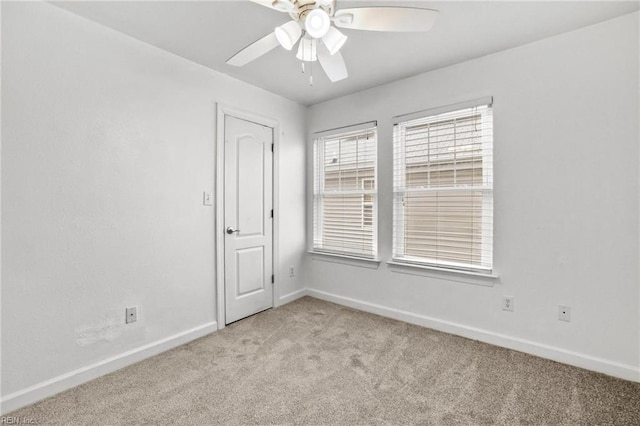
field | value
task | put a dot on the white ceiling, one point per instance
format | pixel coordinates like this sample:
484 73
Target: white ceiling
209 32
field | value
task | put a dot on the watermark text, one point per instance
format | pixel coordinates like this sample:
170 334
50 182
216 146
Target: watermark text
15 420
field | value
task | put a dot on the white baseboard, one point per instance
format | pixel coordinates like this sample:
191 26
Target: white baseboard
623 371
287 298
82 375
66 381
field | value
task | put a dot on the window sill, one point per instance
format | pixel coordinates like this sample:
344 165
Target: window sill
345 259
470 277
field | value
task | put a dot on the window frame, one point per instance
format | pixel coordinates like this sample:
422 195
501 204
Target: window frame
319 191
401 189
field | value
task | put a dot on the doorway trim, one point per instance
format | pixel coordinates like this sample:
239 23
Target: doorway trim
223 111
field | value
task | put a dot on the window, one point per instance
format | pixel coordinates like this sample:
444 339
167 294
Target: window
344 189
443 189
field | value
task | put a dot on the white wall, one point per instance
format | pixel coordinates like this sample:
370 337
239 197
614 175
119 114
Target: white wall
108 145
566 200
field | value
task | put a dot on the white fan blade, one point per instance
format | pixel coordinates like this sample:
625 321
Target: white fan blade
382 18
254 50
265 3
333 65
269 4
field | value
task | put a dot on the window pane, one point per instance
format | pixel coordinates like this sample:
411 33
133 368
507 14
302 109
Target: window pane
445 225
345 227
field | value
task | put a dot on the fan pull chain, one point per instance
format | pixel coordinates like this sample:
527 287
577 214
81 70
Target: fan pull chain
302 62
302 66
311 65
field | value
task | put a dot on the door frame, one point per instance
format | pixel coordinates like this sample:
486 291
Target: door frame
223 111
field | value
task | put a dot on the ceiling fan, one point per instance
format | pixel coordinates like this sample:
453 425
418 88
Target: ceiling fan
311 24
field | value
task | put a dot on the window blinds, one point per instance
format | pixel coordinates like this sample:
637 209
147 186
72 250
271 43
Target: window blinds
345 193
443 189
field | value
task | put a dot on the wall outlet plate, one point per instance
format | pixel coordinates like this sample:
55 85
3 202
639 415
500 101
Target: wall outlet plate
131 314
507 303
292 271
564 313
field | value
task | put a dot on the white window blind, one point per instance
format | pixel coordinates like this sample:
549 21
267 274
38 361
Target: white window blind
443 189
345 193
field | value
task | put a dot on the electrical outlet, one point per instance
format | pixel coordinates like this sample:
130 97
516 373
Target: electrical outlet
507 303
292 271
131 314
564 313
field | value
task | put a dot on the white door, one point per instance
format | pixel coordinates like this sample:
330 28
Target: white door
248 247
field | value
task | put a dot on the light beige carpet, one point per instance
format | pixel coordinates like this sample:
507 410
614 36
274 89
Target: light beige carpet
313 362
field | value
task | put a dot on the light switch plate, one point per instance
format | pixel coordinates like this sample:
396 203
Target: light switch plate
207 198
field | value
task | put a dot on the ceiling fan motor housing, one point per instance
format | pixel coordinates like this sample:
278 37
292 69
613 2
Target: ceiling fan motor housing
303 7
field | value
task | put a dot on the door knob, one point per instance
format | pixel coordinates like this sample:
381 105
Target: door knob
230 230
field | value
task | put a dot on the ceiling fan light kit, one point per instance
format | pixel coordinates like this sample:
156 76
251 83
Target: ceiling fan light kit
307 50
317 23
318 20
288 34
334 40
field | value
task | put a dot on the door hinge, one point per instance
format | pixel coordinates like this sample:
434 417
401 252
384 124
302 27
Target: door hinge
272 146
273 279
271 213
